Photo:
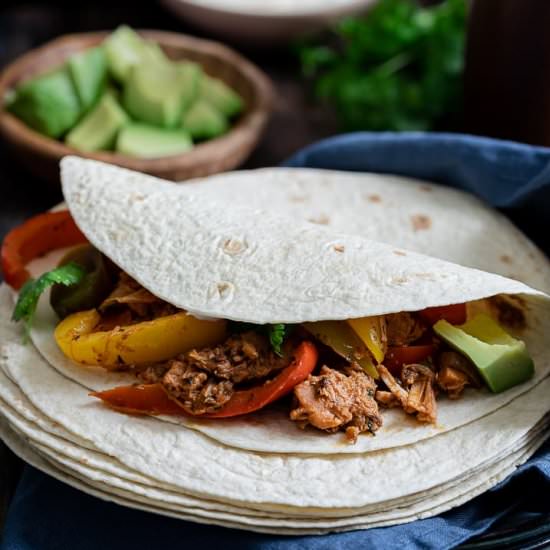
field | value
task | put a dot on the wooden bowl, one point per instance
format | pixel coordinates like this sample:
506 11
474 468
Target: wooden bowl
41 154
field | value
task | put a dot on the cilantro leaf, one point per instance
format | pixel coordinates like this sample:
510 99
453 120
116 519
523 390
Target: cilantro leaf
277 334
68 274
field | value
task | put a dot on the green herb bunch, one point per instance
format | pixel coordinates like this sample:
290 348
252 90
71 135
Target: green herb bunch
397 68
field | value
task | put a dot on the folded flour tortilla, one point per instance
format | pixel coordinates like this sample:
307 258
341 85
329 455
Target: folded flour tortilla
226 260
303 481
199 248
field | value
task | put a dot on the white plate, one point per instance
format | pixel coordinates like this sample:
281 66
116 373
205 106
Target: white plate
258 22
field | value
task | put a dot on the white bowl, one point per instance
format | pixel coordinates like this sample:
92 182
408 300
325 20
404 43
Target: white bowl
264 21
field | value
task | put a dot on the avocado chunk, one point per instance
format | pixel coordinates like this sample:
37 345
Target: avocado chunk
48 103
99 128
204 121
190 78
221 96
142 140
152 53
153 94
123 49
88 69
503 361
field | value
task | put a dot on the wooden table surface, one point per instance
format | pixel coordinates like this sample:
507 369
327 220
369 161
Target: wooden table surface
295 121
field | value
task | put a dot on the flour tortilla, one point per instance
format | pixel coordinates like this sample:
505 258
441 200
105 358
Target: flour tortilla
105 492
250 265
447 497
282 488
174 238
78 411
250 432
60 448
402 212
19 447
329 485
387 208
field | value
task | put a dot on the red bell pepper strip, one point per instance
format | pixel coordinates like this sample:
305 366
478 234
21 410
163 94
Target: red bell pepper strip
141 399
397 357
253 399
34 238
454 314
153 399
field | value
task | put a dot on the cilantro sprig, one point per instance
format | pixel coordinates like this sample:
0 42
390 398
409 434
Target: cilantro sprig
25 308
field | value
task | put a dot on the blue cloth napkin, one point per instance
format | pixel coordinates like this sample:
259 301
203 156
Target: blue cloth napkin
48 515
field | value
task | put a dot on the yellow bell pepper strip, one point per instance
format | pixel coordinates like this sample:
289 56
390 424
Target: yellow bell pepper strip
139 344
372 330
339 336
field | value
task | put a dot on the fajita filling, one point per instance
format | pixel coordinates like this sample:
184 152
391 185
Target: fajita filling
329 375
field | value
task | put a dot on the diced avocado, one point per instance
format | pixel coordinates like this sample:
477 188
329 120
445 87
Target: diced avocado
123 49
190 75
153 94
152 53
204 121
48 103
142 140
88 70
221 96
99 128
503 361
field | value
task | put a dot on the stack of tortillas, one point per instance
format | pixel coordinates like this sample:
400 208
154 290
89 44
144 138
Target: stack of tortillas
262 472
